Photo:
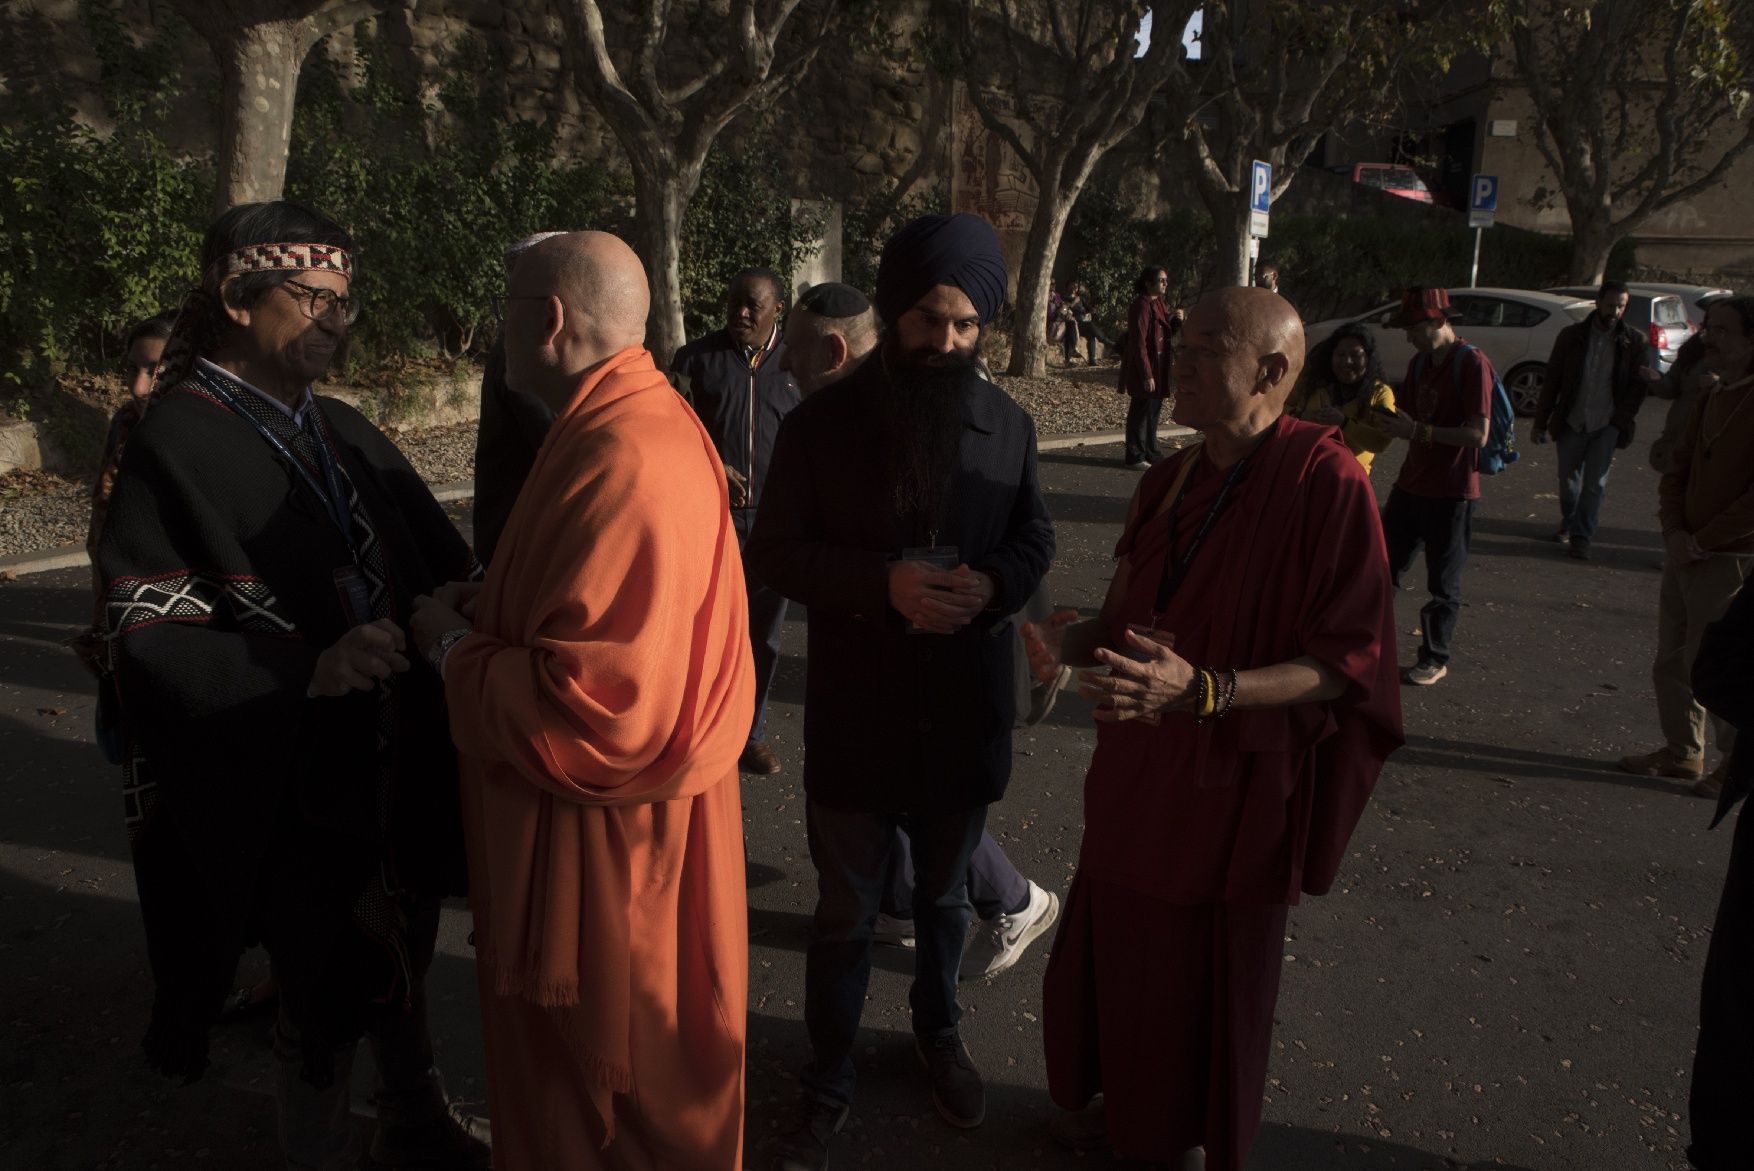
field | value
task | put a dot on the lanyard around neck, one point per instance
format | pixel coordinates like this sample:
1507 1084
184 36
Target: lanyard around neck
331 492
1170 581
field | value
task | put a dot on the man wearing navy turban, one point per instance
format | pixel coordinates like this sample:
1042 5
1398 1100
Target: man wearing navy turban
960 251
903 511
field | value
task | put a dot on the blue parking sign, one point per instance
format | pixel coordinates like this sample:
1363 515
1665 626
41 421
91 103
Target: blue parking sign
1260 198
1261 187
1483 195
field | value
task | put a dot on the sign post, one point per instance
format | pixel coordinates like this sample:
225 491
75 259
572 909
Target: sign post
1482 208
1260 207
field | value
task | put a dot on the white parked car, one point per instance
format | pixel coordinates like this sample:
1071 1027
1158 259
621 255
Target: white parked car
1693 297
1515 327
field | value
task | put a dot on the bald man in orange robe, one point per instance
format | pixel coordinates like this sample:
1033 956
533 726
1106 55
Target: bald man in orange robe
600 687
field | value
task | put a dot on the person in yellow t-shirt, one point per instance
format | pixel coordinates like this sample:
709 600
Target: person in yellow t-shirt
1342 380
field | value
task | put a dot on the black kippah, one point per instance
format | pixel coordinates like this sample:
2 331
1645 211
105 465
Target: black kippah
833 299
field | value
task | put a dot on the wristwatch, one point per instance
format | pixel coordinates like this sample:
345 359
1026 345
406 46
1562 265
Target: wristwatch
442 645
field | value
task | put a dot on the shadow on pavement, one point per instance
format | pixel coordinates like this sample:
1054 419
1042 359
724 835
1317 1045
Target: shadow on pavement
790 930
1073 508
759 874
1089 457
1636 560
893 1122
79 1095
1297 1148
1541 531
62 794
1471 756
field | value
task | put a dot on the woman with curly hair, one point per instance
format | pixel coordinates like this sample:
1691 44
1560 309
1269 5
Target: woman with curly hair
1342 380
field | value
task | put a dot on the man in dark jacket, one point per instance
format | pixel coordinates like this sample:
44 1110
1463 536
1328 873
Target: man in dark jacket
735 379
512 428
1723 1060
910 549
1596 381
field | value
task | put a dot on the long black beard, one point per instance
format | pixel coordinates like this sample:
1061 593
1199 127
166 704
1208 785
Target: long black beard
922 434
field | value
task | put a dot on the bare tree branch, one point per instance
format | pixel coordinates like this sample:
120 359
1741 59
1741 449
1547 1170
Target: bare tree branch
1631 132
334 18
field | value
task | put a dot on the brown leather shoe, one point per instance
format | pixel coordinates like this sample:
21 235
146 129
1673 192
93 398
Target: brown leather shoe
1662 763
759 759
1712 784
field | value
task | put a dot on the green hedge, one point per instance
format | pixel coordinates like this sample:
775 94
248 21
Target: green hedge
100 231
95 234
741 217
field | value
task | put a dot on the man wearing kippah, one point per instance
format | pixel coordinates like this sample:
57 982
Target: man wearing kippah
910 549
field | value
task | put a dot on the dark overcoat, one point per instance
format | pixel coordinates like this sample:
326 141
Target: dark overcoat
897 722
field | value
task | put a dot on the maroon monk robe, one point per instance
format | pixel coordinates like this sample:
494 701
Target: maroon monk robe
1165 972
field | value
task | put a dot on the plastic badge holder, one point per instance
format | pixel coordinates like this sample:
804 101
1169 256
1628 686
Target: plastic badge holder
944 557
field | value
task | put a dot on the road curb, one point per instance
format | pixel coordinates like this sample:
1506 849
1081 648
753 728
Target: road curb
1099 438
73 556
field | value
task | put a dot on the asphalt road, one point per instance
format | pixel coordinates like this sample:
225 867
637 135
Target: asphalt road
1506 974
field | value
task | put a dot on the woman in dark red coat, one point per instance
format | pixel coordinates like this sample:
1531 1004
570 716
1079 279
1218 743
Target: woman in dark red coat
1146 362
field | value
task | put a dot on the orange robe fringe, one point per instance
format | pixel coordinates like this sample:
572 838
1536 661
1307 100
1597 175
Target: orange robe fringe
599 711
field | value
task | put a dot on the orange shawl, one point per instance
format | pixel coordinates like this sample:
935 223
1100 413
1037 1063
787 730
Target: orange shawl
608 685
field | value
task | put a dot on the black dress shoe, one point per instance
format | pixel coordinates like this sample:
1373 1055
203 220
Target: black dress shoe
805 1146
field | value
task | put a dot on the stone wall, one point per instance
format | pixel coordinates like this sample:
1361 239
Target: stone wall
1707 237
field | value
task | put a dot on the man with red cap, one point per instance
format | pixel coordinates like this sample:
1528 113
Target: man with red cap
1443 411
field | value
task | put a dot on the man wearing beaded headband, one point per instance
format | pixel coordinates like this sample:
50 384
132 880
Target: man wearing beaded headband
1248 705
288 776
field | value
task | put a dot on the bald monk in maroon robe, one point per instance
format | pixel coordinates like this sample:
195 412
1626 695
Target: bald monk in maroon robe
1239 739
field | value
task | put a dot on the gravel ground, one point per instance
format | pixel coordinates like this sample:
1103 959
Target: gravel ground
42 511
442 455
1075 400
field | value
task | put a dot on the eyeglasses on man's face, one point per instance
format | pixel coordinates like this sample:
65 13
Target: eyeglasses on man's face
320 304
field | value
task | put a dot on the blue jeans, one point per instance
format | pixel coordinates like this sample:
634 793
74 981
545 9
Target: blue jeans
1584 460
767 621
994 886
852 855
1444 528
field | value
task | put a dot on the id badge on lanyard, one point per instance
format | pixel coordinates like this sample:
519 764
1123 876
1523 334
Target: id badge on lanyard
944 557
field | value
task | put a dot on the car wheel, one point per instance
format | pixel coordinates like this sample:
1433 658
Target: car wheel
1524 387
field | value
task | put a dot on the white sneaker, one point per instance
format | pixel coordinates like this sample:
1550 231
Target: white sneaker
998 943
893 931
1043 695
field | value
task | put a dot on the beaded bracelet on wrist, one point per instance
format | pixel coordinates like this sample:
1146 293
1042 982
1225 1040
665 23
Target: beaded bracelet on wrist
1229 694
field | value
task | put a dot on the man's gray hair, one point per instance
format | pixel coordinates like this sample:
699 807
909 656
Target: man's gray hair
527 243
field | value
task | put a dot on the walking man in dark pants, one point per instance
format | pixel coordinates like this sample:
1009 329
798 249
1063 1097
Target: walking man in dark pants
911 549
1596 381
735 379
1443 410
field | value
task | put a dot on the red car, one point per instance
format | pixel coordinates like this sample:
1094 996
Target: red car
1394 178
